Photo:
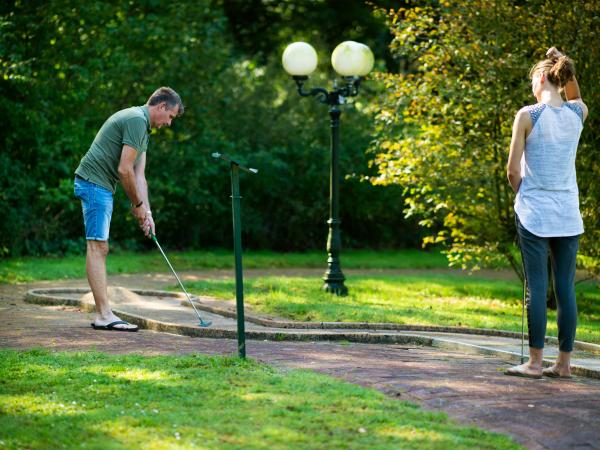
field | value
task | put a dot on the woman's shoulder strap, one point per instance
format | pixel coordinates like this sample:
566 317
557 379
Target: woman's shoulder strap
576 108
535 111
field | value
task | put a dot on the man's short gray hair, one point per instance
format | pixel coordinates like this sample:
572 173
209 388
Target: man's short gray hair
167 95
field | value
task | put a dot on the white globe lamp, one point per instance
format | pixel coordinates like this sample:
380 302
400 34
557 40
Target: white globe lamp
299 59
350 59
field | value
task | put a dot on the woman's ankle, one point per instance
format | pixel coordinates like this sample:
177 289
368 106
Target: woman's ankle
563 361
536 357
562 367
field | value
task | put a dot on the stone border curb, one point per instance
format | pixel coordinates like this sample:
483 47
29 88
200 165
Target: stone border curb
267 321
46 297
324 331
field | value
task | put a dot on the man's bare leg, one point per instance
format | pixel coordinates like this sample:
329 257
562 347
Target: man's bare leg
95 264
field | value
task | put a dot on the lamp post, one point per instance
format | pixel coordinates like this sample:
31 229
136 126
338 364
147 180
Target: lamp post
352 61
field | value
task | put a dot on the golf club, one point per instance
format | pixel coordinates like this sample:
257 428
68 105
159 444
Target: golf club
523 319
518 241
203 323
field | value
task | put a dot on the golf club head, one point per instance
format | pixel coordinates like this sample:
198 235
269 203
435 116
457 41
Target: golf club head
205 323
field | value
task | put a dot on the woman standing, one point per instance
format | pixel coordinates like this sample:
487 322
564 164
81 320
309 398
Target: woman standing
541 170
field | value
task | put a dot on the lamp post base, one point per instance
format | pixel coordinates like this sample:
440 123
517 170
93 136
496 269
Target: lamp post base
335 286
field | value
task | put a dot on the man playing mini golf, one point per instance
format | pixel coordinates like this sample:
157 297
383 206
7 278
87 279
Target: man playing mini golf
118 153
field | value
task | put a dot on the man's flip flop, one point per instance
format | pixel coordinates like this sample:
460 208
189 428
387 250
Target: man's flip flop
551 373
517 371
111 326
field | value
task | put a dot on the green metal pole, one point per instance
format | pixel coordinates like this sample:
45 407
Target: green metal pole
237 245
334 278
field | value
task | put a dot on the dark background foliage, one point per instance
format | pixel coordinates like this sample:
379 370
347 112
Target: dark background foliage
67 65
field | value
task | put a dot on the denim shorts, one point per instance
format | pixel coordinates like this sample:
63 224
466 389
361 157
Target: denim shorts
97 205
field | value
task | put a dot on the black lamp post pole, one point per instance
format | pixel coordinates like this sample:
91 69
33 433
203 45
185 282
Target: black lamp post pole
333 278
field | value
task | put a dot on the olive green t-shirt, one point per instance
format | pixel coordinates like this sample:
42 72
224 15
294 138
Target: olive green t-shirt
100 164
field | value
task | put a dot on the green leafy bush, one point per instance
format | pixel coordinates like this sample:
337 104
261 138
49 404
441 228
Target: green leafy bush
444 124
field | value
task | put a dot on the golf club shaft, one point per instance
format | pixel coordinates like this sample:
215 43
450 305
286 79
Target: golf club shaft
174 273
524 300
523 319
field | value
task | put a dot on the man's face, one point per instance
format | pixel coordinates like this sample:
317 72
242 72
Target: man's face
164 115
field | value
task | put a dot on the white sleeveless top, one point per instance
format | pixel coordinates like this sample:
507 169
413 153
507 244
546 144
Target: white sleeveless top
547 202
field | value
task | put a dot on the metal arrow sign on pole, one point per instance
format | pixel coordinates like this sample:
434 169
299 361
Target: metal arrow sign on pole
237 245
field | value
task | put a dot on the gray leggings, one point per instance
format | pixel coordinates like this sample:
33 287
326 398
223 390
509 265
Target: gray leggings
563 252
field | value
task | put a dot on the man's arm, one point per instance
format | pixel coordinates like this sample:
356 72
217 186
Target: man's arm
128 180
521 126
140 178
142 186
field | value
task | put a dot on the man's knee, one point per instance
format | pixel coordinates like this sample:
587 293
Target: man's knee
99 248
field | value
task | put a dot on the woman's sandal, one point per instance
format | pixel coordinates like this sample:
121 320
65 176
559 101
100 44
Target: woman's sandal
551 372
519 371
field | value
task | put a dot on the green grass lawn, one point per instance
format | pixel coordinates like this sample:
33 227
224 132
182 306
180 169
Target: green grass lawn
92 400
447 300
53 268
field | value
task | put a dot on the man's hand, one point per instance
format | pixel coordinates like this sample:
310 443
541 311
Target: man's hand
139 213
148 225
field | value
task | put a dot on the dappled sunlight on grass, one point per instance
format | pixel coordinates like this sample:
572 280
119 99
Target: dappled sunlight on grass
202 402
137 374
412 434
34 404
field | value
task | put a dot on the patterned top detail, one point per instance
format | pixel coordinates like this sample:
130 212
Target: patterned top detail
576 108
535 111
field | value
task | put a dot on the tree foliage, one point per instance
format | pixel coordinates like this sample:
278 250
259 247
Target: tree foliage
444 125
67 65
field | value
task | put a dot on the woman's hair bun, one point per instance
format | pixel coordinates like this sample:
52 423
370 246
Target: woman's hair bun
562 71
